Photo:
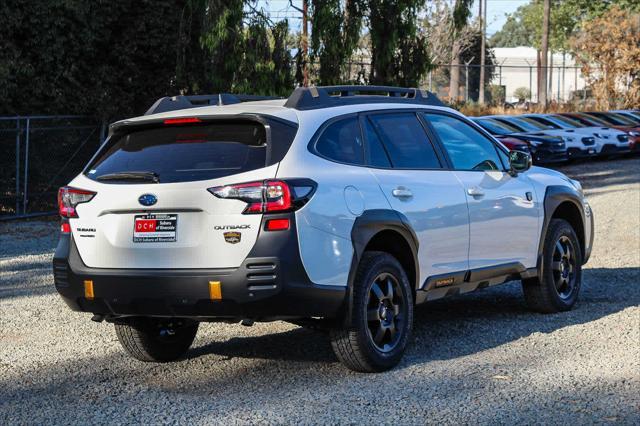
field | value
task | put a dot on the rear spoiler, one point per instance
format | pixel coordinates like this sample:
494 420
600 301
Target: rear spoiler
173 103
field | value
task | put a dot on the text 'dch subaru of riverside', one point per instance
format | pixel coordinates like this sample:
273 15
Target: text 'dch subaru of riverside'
339 207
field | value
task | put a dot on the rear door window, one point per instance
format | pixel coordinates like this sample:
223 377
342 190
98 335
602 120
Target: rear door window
190 153
376 154
405 141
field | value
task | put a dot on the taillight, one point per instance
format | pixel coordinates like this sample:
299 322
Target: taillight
268 196
69 198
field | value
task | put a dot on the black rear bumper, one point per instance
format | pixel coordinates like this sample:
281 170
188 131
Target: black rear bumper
271 283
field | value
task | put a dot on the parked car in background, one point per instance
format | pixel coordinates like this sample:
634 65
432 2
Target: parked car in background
544 149
616 119
608 141
578 146
634 114
514 144
593 120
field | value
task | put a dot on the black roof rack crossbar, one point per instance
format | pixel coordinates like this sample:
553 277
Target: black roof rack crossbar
173 103
306 98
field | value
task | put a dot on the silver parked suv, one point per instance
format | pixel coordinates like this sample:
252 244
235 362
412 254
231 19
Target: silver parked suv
341 207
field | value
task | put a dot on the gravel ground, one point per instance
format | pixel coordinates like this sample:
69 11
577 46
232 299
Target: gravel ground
482 358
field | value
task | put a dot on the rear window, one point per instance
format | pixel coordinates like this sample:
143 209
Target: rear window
191 153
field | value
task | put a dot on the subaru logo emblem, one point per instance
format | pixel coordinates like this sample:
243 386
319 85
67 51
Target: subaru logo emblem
147 199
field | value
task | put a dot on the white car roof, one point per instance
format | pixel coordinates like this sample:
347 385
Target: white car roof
277 109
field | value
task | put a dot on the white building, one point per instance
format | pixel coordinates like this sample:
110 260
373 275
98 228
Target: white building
516 67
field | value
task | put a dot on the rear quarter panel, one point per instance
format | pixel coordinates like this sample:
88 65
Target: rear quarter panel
324 224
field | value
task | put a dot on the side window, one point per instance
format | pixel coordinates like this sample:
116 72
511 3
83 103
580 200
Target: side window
341 141
406 141
467 148
504 157
376 155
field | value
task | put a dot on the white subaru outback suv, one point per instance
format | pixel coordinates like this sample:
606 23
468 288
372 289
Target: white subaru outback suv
342 207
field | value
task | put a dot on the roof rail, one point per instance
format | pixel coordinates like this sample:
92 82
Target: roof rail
306 98
172 103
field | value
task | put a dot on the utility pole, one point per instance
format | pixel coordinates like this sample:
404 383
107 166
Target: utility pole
305 44
544 54
482 14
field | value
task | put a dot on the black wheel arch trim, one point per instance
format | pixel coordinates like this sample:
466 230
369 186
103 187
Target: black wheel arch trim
556 195
365 228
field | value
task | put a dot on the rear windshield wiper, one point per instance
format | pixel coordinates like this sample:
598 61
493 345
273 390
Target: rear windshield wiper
131 176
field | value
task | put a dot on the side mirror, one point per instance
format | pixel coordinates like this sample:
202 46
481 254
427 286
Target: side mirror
519 161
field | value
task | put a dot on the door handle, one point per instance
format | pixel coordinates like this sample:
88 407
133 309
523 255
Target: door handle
474 191
402 192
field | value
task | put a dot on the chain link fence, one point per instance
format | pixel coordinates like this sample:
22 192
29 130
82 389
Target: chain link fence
40 154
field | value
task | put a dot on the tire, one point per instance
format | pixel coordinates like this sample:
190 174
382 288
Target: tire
382 316
156 340
558 284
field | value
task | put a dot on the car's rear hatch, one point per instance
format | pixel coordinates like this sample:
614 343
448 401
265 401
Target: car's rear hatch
152 208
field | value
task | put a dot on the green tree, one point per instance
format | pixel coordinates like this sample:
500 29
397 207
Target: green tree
334 36
471 55
111 59
522 93
223 40
512 33
265 68
399 54
461 14
283 79
524 26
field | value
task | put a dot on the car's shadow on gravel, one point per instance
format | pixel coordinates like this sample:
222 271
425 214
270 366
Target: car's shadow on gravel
455 327
299 344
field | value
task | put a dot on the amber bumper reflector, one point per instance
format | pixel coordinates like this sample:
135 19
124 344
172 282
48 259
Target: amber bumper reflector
215 291
88 289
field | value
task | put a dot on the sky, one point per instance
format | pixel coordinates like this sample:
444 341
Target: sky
496 10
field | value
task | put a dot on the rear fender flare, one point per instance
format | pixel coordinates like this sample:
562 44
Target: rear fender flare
367 226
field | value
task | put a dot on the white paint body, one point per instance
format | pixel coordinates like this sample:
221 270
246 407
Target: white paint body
456 231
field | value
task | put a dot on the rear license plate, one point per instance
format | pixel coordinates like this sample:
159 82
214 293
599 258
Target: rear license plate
155 228
592 151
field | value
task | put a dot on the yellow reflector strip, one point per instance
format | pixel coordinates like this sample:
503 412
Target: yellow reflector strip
215 290
88 289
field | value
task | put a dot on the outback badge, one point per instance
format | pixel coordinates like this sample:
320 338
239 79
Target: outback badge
232 237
